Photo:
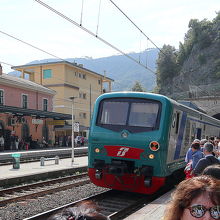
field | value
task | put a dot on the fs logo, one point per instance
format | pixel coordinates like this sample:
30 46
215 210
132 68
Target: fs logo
122 151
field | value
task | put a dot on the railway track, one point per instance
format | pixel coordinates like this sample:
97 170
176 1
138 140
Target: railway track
114 204
29 191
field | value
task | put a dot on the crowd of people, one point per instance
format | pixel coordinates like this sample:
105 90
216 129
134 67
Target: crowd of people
198 197
201 154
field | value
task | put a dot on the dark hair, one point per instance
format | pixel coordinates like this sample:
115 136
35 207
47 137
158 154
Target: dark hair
213 171
189 189
195 145
208 147
211 138
86 210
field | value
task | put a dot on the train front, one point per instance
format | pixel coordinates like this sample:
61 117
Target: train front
127 143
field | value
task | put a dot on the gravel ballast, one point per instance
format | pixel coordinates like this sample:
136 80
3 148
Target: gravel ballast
24 209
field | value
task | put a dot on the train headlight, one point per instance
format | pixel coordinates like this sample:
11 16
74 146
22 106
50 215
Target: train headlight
97 150
154 146
151 156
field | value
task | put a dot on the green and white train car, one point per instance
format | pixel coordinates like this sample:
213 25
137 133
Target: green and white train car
138 141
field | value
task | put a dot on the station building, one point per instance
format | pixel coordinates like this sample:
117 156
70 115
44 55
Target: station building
26 110
69 80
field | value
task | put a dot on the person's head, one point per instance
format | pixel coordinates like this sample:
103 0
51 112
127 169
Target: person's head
86 210
213 171
216 141
208 148
211 139
195 146
202 142
193 197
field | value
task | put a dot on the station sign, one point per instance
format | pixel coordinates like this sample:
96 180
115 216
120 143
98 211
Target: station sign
76 127
37 121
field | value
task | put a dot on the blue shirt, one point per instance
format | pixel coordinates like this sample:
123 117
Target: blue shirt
196 156
188 155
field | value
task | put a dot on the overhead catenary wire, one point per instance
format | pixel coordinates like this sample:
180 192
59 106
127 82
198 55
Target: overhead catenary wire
144 35
91 33
136 26
96 36
31 45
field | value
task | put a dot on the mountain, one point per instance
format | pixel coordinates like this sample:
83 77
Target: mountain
120 68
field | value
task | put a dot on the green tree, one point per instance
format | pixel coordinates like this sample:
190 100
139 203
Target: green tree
166 64
137 87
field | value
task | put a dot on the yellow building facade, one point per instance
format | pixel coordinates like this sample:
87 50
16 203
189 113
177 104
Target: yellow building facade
69 80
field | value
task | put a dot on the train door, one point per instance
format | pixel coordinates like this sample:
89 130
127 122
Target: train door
173 137
198 133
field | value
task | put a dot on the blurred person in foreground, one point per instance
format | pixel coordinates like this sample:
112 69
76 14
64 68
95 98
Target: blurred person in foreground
213 171
195 198
86 210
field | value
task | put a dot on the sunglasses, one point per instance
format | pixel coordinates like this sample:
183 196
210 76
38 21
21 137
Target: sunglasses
198 211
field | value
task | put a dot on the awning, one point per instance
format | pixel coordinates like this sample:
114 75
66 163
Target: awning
33 112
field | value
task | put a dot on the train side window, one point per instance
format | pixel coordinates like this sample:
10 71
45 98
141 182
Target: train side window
177 122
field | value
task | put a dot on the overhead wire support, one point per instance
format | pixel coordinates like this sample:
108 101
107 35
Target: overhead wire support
98 17
91 33
81 13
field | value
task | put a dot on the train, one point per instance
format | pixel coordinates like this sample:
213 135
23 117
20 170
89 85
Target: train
138 141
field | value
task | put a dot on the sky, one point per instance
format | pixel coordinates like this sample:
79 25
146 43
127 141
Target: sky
163 22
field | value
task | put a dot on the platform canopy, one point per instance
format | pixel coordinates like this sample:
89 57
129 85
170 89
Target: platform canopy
33 112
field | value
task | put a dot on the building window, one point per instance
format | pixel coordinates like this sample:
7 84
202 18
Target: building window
80 75
99 82
82 95
24 101
1 97
47 74
84 76
45 104
82 115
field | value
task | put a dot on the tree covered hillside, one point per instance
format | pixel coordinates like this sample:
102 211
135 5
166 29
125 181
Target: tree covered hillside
189 71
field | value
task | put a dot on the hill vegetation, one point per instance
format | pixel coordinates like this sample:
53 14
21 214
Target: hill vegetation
189 71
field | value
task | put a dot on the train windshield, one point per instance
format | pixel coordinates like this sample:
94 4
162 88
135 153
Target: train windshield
135 115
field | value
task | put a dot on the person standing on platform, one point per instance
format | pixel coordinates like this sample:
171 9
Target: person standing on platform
188 157
196 154
16 142
12 140
202 143
2 142
209 159
192 157
195 198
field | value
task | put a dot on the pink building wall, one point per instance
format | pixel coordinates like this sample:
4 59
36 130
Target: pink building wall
13 97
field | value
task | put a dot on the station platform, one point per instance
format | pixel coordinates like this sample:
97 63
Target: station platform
62 152
153 210
34 171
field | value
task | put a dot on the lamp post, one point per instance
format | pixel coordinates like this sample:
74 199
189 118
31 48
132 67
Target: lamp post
73 141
